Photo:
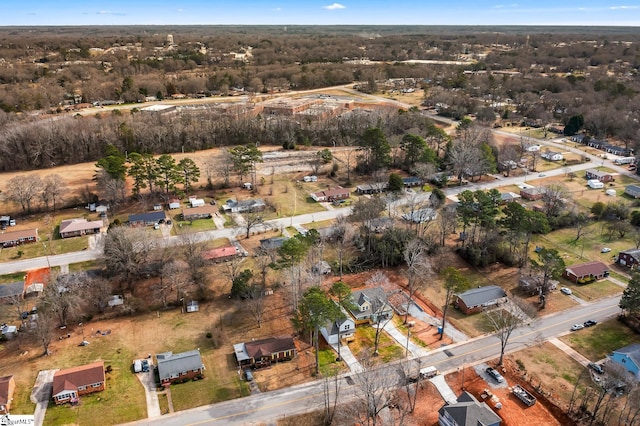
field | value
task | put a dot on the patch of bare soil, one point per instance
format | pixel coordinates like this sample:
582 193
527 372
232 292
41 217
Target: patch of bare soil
512 413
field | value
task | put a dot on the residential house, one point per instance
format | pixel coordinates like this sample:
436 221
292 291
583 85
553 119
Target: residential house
196 202
7 388
595 184
629 258
420 215
632 191
244 206
69 384
16 238
371 188
174 203
220 254
264 352
533 284
412 181
179 367
476 299
532 194
146 219
468 411
628 357
334 194
272 243
11 291
586 272
370 305
379 224
77 227
532 148
202 212
345 328
595 174
508 197
577 138
552 156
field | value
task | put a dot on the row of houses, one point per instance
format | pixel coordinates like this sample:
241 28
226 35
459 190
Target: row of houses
602 145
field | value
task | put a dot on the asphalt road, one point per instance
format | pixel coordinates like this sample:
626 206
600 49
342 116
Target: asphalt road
270 406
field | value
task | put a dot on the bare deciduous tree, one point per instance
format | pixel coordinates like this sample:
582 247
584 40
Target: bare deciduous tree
23 190
375 394
52 190
127 253
505 319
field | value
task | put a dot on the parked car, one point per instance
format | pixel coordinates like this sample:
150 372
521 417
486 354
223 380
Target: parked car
589 323
596 367
538 249
576 327
248 375
145 365
605 250
495 375
565 290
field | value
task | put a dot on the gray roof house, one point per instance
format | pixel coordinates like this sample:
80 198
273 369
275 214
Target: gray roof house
243 206
476 299
12 290
468 411
370 305
420 215
345 327
179 367
145 219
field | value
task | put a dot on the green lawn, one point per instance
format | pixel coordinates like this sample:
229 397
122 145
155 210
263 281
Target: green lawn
11 278
388 349
123 399
44 248
596 342
193 226
596 290
210 390
328 364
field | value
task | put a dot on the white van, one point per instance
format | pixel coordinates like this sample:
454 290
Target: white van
137 366
428 372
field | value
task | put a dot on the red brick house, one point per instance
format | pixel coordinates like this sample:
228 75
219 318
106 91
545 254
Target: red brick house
79 226
7 388
603 177
202 212
337 193
70 383
180 367
586 272
264 352
532 194
629 258
16 238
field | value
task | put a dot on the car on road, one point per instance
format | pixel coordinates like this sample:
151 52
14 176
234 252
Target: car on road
565 290
605 250
495 375
590 323
576 327
541 175
596 367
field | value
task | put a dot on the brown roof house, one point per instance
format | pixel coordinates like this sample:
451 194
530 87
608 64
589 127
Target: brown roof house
70 383
220 254
532 194
16 238
337 193
180 367
629 258
77 227
595 174
264 352
7 387
476 299
202 212
586 272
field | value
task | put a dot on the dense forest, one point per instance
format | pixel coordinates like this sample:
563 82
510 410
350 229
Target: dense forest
538 75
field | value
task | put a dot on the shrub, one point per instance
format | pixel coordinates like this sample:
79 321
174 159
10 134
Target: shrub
209 335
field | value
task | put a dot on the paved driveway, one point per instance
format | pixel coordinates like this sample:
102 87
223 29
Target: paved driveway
41 394
149 383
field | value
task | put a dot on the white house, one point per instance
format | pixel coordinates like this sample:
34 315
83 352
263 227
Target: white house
345 327
595 184
196 202
551 156
532 148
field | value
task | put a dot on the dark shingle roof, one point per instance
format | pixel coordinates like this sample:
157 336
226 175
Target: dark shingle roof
13 289
72 378
268 346
146 217
469 412
481 295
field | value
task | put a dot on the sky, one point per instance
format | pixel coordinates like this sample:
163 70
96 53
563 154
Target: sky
313 12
